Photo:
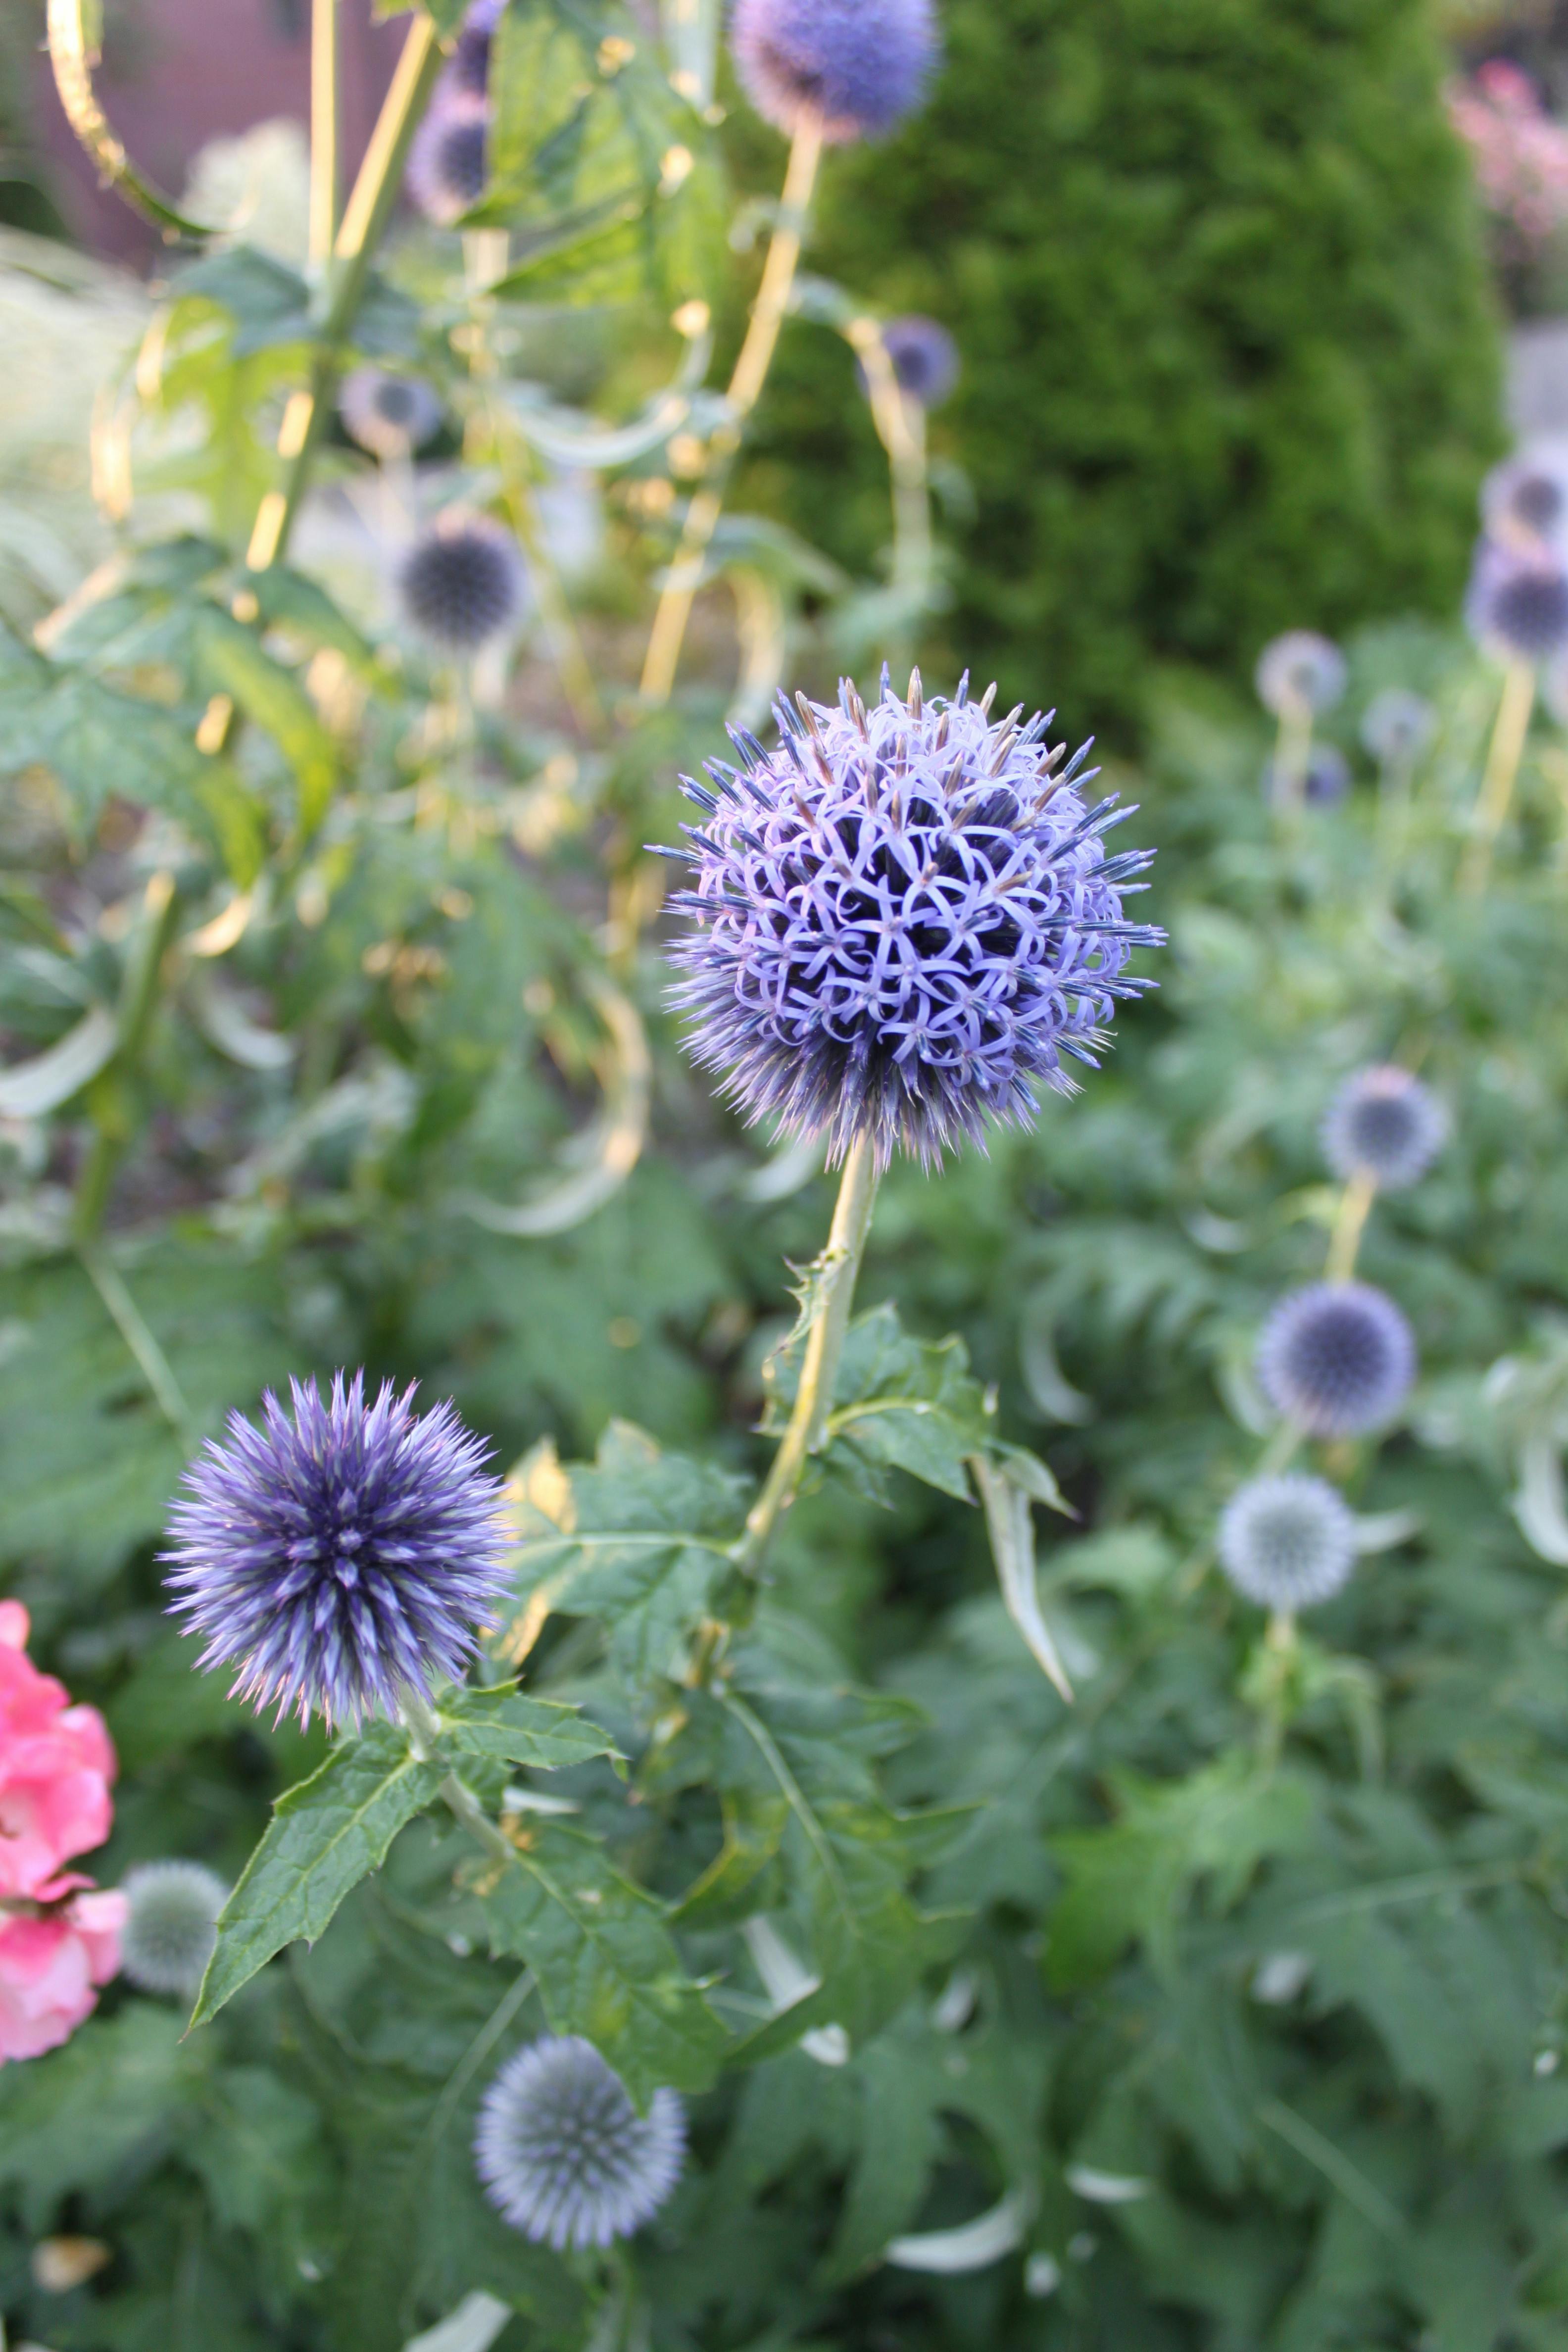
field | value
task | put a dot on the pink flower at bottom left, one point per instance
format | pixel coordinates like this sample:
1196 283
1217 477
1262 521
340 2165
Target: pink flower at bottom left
50 1967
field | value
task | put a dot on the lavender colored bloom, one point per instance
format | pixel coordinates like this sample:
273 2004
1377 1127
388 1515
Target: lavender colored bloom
1337 1357
171 1925
339 1556
1398 726
448 163
469 68
1299 671
1287 1542
462 582
1322 785
1518 602
1383 1123
924 359
1524 501
562 2153
862 64
905 919
390 415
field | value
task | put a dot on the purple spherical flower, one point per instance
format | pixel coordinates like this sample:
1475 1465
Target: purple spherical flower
1337 1357
562 2153
448 163
1383 1123
390 415
861 65
905 919
1518 602
342 1556
1286 1542
1299 671
1524 501
924 359
469 67
462 582
1321 783
1398 726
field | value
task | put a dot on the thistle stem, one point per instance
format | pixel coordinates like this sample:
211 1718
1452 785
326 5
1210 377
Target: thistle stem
323 131
1349 1223
1292 752
139 992
837 1270
1496 795
745 387
424 1728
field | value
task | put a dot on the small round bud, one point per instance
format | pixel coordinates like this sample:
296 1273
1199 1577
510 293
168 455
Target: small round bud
1337 1357
1383 1123
1398 726
1299 671
462 582
390 415
924 359
860 64
1517 607
171 1925
1524 501
563 2155
1286 1542
448 163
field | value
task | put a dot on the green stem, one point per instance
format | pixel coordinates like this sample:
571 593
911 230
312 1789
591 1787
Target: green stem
423 1727
132 1327
836 1272
137 996
1496 797
323 131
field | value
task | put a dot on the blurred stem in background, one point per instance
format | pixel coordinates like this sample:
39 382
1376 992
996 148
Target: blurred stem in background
323 132
1496 795
1350 1222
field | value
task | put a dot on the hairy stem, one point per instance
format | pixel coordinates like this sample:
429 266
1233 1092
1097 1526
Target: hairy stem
837 1270
1349 1223
745 387
1496 795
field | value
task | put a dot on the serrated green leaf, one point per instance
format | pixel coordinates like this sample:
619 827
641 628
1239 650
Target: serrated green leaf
232 660
509 1728
898 1403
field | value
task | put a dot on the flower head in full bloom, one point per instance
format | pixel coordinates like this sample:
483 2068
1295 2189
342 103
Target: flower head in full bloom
448 163
51 1963
860 64
905 918
1299 671
462 582
1383 1123
171 1925
1337 1357
390 415
562 2153
342 1555
924 359
55 1767
1287 1542
1517 605
1397 726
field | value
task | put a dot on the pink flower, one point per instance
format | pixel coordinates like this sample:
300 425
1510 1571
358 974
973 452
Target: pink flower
1520 154
50 1963
56 1765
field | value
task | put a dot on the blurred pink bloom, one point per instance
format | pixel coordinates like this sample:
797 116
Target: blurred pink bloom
56 1765
1520 154
51 1964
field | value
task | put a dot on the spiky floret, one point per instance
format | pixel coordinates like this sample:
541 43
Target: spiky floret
171 1925
448 163
1299 670
1516 604
341 1555
1287 1542
562 2153
1398 726
1337 1357
390 415
905 918
924 358
1383 1123
861 65
462 582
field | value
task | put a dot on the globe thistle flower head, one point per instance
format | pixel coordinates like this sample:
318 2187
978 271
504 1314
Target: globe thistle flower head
924 359
1383 1123
1524 501
563 2155
390 415
1517 606
860 64
1324 782
462 582
1337 1358
337 1556
1397 727
171 1925
469 67
1299 671
448 163
1286 1542
905 920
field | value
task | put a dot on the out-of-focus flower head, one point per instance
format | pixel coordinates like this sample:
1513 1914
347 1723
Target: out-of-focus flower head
55 1766
52 1962
1383 1123
448 163
170 1927
1524 501
1321 783
1338 1358
462 582
861 65
1517 607
390 415
1287 1542
1397 726
562 2153
469 67
1299 671
339 1556
1520 155
905 919
924 359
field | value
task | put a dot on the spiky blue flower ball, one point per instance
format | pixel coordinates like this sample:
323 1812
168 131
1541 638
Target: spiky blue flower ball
171 1925
905 918
924 359
861 65
1524 501
390 415
1383 1123
338 1557
1337 1357
1299 670
1398 726
1286 1542
1517 605
562 2153
448 163
462 582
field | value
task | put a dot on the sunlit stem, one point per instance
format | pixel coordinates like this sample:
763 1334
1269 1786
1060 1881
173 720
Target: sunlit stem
1293 752
900 425
836 1270
138 997
1496 795
365 216
745 387
1349 1223
1281 1642
323 131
